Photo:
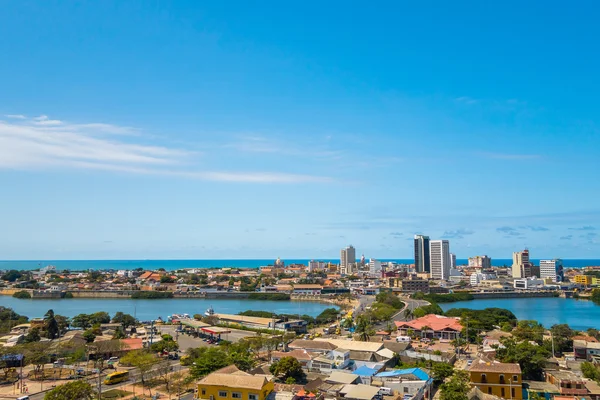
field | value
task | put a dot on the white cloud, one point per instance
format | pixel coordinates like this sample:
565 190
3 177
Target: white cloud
42 143
15 116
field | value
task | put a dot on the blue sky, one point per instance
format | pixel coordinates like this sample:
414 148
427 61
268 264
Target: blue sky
247 130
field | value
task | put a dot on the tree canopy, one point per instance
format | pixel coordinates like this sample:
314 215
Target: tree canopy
286 368
76 390
457 387
531 357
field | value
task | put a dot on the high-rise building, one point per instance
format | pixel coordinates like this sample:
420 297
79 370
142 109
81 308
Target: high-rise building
347 260
422 261
375 267
480 262
439 256
521 267
552 269
316 265
452 260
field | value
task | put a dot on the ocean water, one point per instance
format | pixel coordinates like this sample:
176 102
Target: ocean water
578 314
78 265
146 310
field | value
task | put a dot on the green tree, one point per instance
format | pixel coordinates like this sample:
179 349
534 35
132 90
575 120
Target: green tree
240 355
457 387
167 344
425 310
22 294
590 371
100 317
89 336
51 325
125 320
532 358
143 361
82 321
441 371
32 336
288 367
12 275
37 354
529 330
364 329
76 390
562 334
207 360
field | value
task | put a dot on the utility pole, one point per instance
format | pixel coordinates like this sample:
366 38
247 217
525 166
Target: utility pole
99 382
151 332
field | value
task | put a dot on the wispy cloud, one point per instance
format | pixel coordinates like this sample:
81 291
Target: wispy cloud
15 116
535 228
466 100
505 229
568 237
42 143
457 234
396 235
583 228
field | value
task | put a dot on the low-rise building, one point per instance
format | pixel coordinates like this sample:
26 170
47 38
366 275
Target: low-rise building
496 378
567 382
412 381
414 285
586 350
431 326
230 383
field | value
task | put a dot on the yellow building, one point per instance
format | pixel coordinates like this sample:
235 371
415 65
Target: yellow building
498 379
230 383
583 279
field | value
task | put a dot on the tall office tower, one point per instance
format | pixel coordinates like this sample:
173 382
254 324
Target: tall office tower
452 260
422 261
552 269
439 255
521 267
347 260
480 262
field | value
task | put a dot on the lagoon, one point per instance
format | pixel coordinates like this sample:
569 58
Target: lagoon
578 314
146 310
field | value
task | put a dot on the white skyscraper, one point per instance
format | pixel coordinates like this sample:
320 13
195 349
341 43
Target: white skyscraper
347 260
439 256
552 269
374 267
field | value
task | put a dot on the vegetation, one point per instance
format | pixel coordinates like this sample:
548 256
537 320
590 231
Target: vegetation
441 371
328 315
364 330
390 299
143 361
85 321
11 276
457 387
9 319
444 298
595 296
167 344
51 325
482 320
430 309
590 371
269 296
125 320
288 370
76 390
22 294
531 357
151 294
529 330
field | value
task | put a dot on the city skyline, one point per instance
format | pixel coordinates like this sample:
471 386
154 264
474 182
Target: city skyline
199 131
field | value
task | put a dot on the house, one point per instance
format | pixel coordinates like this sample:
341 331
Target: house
567 382
301 355
411 381
313 346
335 359
365 374
359 392
431 326
230 383
496 378
585 349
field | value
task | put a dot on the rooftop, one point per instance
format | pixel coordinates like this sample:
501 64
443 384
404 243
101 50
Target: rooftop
341 377
235 381
434 322
353 345
495 366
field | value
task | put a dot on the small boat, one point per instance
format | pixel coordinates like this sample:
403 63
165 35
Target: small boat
209 311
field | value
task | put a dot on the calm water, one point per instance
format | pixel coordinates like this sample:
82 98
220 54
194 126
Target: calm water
151 309
253 263
579 314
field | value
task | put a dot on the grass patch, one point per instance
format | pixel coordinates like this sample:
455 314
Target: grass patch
114 394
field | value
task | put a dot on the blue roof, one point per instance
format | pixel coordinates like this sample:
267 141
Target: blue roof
418 372
365 371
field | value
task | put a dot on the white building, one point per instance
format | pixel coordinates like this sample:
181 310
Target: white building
477 278
552 269
529 284
374 267
439 256
347 260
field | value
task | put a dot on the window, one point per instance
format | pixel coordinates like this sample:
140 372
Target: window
203 391
222 393
236 395
405 390
490 390
501 378
515 378
483 378
502 394
512 392
252 396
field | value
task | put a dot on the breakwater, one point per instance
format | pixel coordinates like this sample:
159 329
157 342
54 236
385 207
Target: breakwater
513 295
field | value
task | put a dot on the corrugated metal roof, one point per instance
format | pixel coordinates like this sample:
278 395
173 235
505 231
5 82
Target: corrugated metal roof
418 372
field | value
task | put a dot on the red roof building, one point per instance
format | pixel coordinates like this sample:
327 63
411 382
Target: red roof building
431 326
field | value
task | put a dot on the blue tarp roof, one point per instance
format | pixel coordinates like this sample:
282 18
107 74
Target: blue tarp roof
418 372
365 371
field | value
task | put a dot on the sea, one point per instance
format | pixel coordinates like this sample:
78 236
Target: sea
83 265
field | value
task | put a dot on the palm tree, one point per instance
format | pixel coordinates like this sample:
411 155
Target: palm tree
51 325
408 314
363 328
